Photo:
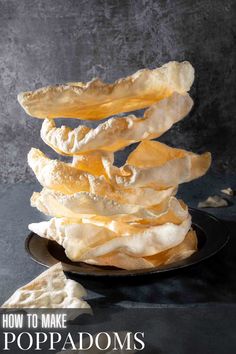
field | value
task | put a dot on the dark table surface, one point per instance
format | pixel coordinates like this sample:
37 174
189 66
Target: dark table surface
199 295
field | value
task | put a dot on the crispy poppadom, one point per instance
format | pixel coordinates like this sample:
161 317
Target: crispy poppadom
67 178
62 177
121 260
151 164
77 205
97 100
85 241
127 130
51 289
149 242
156 164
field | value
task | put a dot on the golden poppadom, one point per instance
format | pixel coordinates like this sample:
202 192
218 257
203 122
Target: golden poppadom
97 100
151 164
127 130
85 241
61 176
155 164
120 260
76 205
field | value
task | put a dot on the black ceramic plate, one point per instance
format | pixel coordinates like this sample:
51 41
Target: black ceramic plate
211 233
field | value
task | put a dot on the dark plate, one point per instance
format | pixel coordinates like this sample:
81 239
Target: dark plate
212 236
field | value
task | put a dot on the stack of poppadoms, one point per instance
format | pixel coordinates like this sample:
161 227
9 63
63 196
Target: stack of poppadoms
128 216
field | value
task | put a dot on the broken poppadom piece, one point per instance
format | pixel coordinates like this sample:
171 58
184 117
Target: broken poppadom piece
213 202
51 289
228 191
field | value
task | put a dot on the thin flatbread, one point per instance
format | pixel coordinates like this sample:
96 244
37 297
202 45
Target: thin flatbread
155 164
74 205
151 164
121 260
62 177
126 130
97 100
86 241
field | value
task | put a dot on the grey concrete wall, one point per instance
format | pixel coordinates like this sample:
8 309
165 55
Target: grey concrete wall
44 42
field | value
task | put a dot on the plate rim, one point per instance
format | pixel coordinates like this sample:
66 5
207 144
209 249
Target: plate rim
188 262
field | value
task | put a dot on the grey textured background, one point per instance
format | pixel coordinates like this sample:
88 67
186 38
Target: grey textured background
44 42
